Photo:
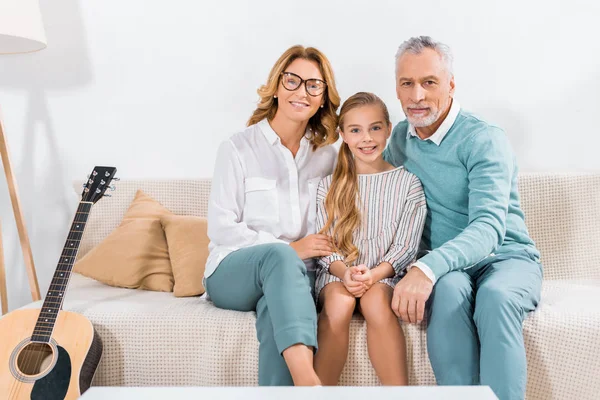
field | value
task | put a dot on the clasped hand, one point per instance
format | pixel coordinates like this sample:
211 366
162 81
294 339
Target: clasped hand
358 280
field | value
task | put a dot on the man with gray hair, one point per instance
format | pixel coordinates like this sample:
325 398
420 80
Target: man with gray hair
479 271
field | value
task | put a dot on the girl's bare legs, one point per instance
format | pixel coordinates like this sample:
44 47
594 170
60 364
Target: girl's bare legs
299 359
385 338
333 332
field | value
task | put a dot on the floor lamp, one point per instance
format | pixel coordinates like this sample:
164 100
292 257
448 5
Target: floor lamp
21 31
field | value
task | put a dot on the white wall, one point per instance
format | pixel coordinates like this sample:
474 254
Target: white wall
153 86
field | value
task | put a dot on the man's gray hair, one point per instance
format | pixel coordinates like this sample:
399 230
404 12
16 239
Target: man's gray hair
417 44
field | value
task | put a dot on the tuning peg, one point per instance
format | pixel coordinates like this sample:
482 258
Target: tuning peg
107 195
111 187
116 179
84 185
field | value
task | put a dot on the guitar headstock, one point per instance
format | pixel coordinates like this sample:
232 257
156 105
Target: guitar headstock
97 183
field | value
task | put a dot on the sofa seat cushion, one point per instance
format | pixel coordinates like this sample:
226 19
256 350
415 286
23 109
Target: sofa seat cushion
562 339
155 338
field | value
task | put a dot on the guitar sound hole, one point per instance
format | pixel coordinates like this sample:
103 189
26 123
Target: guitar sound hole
34 358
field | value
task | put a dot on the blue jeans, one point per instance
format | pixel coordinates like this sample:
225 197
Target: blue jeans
272 280
475 323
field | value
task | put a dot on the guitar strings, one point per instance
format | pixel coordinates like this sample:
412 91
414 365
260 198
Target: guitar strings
62 285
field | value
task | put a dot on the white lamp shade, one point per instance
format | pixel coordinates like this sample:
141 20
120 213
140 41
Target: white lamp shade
21 27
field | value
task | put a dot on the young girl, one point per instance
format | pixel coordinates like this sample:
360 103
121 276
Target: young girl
375 215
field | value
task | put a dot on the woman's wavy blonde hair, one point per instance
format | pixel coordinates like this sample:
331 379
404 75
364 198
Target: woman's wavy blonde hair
342 198
323 124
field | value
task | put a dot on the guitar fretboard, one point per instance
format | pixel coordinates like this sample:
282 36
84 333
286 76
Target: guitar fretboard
54 298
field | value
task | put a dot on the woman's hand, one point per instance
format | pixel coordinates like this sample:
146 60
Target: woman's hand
315 245
364 276
357 289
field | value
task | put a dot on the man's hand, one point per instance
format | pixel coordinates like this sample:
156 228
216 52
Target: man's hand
364 275
315 245
357 289
410 295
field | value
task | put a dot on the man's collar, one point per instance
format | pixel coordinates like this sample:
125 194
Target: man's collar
443 129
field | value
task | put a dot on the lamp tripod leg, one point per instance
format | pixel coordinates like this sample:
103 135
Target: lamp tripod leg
21 228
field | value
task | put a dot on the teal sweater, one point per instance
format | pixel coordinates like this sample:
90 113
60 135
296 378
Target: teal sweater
470 182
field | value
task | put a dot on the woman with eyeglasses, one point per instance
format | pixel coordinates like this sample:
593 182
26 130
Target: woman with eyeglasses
262 213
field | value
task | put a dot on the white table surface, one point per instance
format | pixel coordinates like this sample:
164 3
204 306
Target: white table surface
292 393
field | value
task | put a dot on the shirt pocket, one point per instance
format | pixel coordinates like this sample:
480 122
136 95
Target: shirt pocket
261 205
311 223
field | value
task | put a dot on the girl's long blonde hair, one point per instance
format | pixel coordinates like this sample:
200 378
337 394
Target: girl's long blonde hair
341 202
323 124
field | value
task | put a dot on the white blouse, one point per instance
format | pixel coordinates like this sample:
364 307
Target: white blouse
261 194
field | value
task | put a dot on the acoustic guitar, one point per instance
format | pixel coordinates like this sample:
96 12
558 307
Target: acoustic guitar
48 353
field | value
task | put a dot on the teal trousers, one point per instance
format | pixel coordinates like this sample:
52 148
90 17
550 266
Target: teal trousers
475 323
272 280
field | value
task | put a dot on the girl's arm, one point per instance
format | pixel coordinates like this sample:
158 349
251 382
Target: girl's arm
382 271
406 240
324 264
338 268
226 204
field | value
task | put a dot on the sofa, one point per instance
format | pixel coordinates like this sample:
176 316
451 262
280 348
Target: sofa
154 338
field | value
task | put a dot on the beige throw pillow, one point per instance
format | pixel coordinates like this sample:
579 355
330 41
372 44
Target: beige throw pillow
188 248
135 255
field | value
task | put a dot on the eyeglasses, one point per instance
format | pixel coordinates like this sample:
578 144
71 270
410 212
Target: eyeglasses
291 82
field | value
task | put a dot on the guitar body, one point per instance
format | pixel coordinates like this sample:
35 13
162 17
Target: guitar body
48 353
60 369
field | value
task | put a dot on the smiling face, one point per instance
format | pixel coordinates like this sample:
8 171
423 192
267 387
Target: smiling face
297 105
365 130
424 87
